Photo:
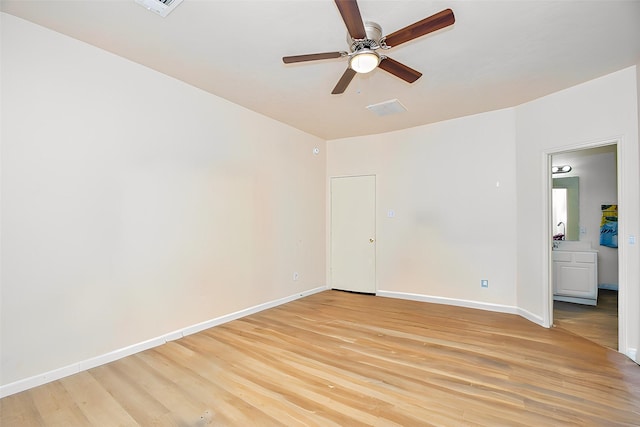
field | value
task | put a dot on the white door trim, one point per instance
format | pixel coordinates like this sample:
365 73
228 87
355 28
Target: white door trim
547 287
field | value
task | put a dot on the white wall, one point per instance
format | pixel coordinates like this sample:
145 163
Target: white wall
601 110
134 205
597 174
452 188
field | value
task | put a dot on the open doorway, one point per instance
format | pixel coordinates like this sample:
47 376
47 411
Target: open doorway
585 296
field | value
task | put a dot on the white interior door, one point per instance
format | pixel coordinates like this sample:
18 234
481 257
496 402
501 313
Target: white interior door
353 226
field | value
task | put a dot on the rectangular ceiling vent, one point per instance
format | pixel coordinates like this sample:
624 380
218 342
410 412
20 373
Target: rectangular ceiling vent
387 108
161 7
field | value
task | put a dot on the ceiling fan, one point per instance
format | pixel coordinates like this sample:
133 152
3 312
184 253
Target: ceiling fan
365 38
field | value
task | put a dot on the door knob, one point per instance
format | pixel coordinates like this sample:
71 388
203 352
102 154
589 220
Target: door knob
371 240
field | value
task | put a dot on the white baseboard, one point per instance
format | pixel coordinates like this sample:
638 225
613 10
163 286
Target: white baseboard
56 374
609 286
500 308
633 354
36 380
247 311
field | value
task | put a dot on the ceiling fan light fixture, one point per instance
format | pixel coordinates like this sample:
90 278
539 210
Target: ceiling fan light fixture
364 61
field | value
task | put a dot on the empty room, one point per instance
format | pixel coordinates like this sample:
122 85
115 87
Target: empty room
317 212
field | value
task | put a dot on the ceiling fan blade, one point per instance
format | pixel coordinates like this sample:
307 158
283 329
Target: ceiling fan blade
344 82
421 28
312 57
400 70
352 18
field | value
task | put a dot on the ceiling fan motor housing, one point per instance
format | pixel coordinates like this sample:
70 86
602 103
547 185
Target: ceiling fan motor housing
373 40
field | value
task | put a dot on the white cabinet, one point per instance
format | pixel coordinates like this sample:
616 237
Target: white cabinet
575 277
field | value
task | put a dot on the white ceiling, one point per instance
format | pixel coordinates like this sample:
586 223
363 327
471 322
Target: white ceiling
498 53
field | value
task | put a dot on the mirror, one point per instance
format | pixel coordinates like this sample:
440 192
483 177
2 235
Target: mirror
565 206
559 208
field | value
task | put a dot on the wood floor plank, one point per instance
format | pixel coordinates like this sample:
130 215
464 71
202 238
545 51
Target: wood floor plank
96 403
178 363
60 407
597 323
336 358
230 371
124 386
20 410
347 369
154 376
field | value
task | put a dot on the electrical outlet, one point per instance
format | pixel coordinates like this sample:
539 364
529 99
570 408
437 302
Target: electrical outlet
484 283
296 276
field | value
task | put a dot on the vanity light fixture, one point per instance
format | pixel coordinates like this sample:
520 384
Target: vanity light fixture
561 169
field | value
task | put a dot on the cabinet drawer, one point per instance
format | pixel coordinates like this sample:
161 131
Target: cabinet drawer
584 257
562 256
581 257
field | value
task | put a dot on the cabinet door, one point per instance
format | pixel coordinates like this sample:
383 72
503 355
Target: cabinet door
575 279
560 259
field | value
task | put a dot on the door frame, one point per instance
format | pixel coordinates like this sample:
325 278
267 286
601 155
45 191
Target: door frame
329 228
622 247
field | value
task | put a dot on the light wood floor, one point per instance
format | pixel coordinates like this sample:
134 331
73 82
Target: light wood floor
344 359
598 324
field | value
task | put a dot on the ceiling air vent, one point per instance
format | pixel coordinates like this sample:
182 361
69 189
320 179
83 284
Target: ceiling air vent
387 107
161 7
